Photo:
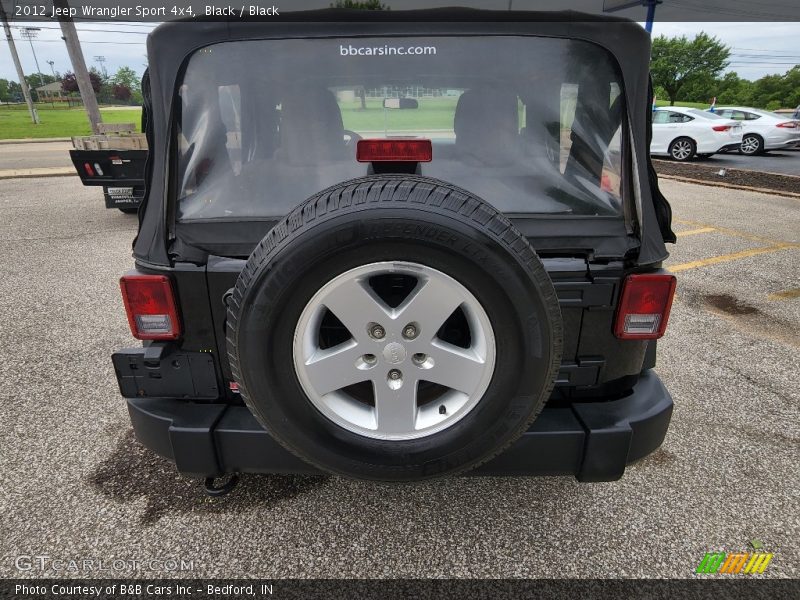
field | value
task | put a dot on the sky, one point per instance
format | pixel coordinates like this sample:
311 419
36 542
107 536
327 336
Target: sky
758 49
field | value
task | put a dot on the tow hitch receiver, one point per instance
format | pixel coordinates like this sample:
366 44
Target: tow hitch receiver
222 490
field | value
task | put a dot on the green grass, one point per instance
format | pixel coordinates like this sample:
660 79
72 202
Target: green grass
700 105
15 122
433 113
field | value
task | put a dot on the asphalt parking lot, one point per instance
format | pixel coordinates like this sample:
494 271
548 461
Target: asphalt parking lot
74 484
785 162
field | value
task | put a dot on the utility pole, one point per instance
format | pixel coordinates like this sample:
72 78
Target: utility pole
22 83
79 66
102 61
29 33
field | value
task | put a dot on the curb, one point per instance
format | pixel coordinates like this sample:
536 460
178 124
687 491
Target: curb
737 169
731 186
43 172
35 140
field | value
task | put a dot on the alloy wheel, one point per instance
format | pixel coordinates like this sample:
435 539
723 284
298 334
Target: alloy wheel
393 369
682 150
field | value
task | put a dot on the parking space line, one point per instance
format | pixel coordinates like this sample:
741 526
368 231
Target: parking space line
695 231
729 257
737 233
785 295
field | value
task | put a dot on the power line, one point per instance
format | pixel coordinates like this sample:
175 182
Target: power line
727 10
90 30
760 50
97 42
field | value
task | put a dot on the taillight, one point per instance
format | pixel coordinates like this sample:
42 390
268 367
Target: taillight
88 168
644 307
788 125
722 127
394 151
150 304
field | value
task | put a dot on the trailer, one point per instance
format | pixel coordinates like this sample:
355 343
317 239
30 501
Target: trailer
114 158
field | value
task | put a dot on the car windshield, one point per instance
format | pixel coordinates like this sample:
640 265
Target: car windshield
531 125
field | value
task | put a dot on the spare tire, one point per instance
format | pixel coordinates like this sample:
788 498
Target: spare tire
394 328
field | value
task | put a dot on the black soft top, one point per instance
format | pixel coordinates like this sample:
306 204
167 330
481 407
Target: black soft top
171 44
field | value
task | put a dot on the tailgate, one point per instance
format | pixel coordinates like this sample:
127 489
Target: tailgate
123 168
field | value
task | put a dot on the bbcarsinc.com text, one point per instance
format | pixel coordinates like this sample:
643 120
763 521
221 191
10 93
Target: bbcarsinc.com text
386 50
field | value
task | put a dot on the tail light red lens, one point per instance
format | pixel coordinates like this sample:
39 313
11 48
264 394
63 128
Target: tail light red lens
394 151
644 306
789 125
89 170
150 304
721 127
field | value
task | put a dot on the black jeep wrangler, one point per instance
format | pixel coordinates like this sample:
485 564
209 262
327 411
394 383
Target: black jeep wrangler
396 246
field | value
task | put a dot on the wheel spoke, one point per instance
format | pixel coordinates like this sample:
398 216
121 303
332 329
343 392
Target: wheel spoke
393 349
429 305
396 409
335 368
457 368
355 304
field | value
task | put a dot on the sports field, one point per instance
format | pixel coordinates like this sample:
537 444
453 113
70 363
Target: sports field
15 122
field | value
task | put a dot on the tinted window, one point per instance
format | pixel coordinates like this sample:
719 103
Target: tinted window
265 124
661 117
706 114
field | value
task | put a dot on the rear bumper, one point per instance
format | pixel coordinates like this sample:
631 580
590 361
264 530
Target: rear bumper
594 441
790 145
782 144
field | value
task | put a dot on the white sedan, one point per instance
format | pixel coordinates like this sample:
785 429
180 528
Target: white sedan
763 130
681 133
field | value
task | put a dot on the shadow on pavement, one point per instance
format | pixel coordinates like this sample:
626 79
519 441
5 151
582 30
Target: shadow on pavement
132 472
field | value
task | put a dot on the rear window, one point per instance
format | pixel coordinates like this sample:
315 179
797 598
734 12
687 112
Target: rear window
531 125
706 114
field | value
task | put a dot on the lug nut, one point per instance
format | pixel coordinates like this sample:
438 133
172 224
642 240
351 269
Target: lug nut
410 331
395 374
367 361
419 358
377 332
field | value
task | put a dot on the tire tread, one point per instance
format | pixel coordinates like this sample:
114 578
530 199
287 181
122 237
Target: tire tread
400 190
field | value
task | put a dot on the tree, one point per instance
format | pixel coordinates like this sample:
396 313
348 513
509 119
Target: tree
678 61
15 91
781 89
127 77
35 80
5 92
70 84
732 89
121 92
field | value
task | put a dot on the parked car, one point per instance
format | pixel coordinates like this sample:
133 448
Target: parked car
683 133
763 130
476 285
